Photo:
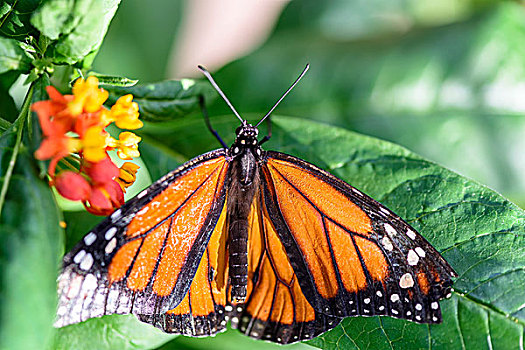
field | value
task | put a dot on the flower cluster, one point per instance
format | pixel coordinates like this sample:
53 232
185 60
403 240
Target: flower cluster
76 142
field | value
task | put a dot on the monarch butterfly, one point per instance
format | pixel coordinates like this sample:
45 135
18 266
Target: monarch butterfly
277 246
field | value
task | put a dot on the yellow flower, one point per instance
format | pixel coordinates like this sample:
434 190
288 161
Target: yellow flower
126 145
94 144
87 96
125 113
127 175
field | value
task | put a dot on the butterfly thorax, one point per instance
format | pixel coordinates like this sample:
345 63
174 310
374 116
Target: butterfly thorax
246 152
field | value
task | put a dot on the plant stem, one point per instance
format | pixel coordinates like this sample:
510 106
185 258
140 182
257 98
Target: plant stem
19 125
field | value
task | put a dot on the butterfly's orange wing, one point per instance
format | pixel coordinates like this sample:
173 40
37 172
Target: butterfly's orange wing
350 254
203 311
276 308
143 257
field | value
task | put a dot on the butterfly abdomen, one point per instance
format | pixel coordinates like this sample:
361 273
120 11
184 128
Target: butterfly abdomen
242 190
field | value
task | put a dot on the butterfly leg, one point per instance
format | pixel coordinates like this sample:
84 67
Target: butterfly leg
202 105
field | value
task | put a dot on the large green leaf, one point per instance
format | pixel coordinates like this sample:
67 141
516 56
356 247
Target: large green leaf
165 100
31 243
76 27
479 232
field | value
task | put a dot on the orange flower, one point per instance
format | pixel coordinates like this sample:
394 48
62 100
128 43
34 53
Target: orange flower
55 121
88 97
124 113
94 144
127 175
127 145
73 127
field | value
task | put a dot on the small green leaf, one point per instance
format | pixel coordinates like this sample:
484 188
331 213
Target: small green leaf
112 80
12 57
166 100
77 27
110 332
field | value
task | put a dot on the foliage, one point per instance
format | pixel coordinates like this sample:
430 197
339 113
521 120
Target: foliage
441 78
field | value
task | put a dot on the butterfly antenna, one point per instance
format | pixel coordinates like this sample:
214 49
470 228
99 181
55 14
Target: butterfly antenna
284 95
214 84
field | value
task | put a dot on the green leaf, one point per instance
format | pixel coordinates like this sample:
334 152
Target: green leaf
110 332
113 80
480 233
166 100
31 243
8 109
12 57
14 18
231 339
77 27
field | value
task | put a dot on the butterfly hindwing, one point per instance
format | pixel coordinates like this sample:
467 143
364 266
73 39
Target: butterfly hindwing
352 255
276 308
202 312
143 257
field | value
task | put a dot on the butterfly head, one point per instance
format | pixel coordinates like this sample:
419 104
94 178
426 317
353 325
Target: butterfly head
246 139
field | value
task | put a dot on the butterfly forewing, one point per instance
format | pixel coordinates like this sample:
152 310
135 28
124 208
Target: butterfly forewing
351 254
143 257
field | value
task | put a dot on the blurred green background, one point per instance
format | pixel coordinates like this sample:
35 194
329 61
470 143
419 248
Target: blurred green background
445 79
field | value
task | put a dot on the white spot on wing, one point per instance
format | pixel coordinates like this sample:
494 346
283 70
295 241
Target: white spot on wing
412 258
143 210
420 252
434 305
90 238
366 300
379 294
78 258
411 234
86 262
390 230
406 281
90 282
111 246
394 298
387 244
110 233
419 307
142 194
115 215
